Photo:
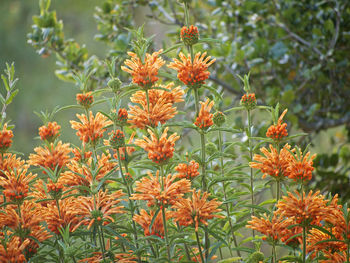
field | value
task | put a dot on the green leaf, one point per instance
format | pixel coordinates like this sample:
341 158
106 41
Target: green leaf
172 48
13 94
234 109
214 91
154 219
263 209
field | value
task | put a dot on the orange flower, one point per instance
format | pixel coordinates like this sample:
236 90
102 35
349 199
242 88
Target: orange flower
311 208
272 163
275 228
192 74
16 184
97 210
9 162
205 118
334 257
278 131
92 128
85 174
144 219
197 257
316 242
150 189
189 35
81 155
144 73
300 167
124 152
28 221
188 171
11 251
56 220
85 99
159 149
122 115
195 210
5 138
248 101
51 157
49 132
160 106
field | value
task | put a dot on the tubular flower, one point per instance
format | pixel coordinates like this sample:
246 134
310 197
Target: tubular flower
273 163
122 115
50 157
85 99
195 210
5 139
311 208
144 220
16 184
315 245
334 257
60 219
278 131
27 222
9 162
92 128
81 155
40 193
160 108
150 189
49 132
197 257
205 118
144 73
13 250
97 210
159 150
192 74
274 229
188 171
82 174
189 35
300 167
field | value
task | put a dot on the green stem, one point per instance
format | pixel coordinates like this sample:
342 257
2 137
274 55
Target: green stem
225 196
163 216
185 245
101 243
251 159
304 243
199 247
278 190
274 254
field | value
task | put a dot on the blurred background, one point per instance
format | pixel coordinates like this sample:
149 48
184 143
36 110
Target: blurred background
297 52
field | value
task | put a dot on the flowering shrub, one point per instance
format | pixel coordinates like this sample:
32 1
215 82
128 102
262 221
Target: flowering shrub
114 198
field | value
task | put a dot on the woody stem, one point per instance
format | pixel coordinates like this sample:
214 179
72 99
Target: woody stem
225 195
251 158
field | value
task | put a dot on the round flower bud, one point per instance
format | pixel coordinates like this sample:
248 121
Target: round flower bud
117 139
85 99
219 118
122 115
257 257
248 101
189 35
114 84
211 148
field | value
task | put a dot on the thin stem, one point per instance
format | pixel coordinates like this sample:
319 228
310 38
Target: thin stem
101 243
225 196
304 243
147 97
278 190
163 216
251 158
199 247
185 245
274 254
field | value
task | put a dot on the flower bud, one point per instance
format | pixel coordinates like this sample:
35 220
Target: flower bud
219 118
122 115
117 139
85 99
189 35
248 101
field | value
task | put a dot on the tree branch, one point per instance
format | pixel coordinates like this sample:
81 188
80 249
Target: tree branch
322 123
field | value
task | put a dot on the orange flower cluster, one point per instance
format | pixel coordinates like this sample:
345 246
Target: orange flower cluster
275 228
122 115
5 138
9 162
192 73
188 171
205 118
196 210
278 131
91 128
49 132
160 108
85 99
144 220
285 163
159 149
189 35
144 73
162 191
57 155
12 251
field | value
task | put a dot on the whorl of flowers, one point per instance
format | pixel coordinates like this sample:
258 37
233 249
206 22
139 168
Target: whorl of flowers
189 35
49 132
205 118
278 131
85 99
5 138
